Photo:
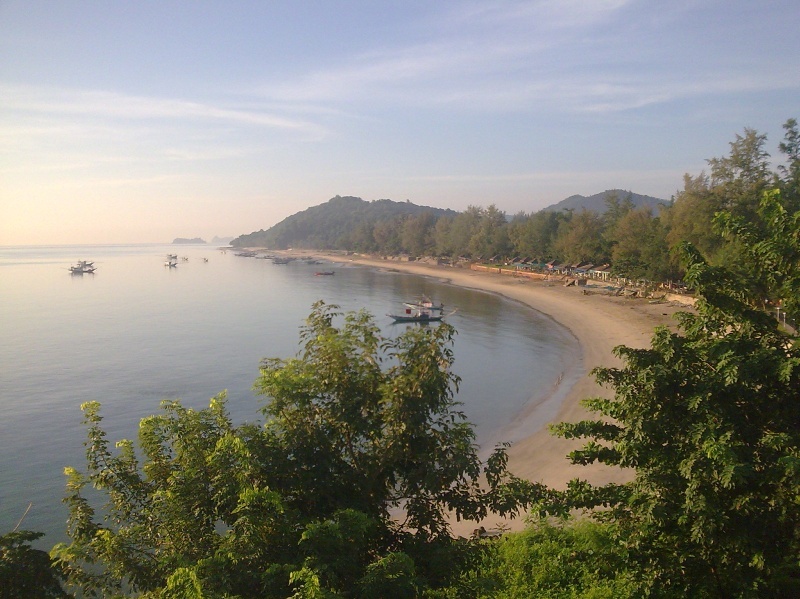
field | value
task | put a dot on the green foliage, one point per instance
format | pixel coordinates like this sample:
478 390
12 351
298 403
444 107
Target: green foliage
581 238
533 235
344 492
25 572
707 419
565 559
775 259
476 232
358 435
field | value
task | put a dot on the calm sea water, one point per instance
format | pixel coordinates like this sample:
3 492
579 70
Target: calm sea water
136 332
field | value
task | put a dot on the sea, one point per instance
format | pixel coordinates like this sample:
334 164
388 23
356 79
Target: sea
136 332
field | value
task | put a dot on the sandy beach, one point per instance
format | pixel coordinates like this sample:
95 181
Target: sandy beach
599 321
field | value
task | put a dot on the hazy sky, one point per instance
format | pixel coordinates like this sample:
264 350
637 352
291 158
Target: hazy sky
142 121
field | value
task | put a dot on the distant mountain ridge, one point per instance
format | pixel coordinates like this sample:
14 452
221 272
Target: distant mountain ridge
597 202
337 223
331 225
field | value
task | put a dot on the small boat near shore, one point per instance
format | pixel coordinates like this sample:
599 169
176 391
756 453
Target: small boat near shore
321 273
411 315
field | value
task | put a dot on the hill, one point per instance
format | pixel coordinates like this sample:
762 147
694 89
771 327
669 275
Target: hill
597 202
333 224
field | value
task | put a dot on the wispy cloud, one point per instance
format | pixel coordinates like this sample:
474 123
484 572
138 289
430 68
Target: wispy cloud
95 104
575 56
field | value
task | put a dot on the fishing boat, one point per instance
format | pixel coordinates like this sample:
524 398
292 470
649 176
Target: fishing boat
418 315
320 273
425 303
82 268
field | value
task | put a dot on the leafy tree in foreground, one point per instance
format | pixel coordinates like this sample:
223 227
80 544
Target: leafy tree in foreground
343 493
25 572
709 421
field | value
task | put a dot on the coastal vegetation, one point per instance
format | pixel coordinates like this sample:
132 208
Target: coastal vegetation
345 487
633 234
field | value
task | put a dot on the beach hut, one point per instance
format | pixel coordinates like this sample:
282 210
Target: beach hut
602 272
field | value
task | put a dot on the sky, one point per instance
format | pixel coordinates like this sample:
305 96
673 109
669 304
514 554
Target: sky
139 122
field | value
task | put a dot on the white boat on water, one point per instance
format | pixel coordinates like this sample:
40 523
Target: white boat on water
425 303
82 268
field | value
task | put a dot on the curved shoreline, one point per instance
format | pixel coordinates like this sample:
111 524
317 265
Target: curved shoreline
599 322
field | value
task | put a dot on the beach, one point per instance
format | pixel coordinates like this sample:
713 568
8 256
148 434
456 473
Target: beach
598 320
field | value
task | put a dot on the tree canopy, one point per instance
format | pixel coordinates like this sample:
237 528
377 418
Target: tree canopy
345 491
707 418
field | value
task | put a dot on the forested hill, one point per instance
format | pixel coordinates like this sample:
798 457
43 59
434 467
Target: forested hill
336 224
599 201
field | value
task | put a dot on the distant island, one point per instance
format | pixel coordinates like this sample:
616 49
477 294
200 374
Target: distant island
183 240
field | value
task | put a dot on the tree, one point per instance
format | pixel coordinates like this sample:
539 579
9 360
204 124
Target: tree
707 418
462 229
639 246
490 236
580 238
790 172
744 171
344 492
25 572
417 233
689 217
616 209
775 259
441 236
533 235
387 236
358 436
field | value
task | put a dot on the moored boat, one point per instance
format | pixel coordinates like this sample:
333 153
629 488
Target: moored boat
324 272
411 315
82 268
425 303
